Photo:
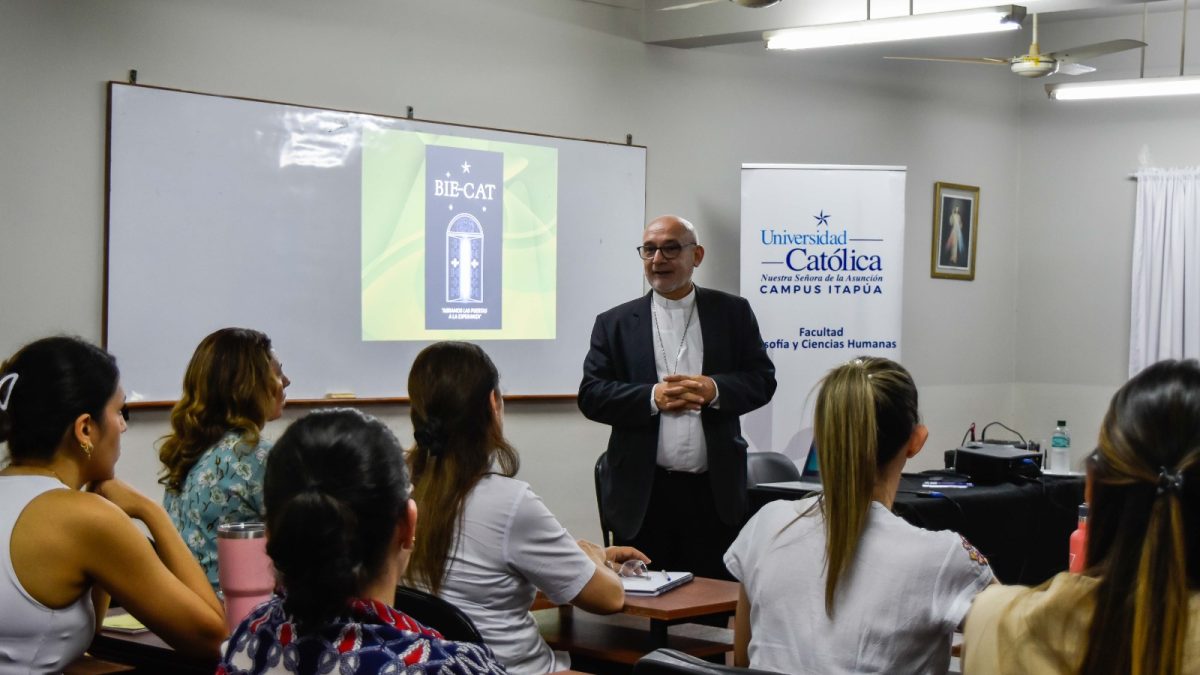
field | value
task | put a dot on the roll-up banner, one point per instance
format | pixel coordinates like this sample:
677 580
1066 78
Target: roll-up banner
822 264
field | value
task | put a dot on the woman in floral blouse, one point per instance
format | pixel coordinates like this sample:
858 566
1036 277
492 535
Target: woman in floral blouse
214 458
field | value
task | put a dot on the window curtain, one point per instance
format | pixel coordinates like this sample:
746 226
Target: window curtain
1164 318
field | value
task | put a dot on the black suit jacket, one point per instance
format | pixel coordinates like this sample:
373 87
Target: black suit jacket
619 374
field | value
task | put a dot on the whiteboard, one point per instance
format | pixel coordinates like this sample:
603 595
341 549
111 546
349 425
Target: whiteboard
324 230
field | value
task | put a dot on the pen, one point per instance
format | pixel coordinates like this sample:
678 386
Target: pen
667 575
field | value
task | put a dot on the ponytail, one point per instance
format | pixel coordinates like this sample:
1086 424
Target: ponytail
335 489
1142 528
865 412
327 575
450 387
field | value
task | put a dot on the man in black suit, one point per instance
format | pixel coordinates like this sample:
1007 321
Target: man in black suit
671 372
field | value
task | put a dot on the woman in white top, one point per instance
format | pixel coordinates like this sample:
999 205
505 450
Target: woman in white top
488 543
837 583
63 550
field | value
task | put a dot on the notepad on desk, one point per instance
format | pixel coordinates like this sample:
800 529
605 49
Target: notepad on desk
656 583
124 623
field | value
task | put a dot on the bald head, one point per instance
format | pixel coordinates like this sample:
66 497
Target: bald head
673 222
677 254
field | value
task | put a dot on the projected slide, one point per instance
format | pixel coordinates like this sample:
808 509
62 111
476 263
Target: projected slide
459 238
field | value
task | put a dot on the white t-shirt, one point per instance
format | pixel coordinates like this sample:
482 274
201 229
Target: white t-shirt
906 592
510 546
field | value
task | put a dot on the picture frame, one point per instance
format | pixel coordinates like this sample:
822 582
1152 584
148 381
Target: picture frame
955 231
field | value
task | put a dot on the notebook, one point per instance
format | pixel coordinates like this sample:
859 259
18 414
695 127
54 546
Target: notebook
124 623
657 583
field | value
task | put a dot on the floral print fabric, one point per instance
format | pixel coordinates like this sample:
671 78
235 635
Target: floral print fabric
224 486
371 639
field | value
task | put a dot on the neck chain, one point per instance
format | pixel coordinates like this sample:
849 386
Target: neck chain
682 338
31 470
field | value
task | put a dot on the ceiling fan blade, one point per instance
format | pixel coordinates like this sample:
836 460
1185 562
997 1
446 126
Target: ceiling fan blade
687 5
988 60
1069 68
1099 49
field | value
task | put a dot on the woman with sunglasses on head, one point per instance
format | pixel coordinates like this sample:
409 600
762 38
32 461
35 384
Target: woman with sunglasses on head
837 583
489 543
65 550
213 459
1136 606
340 527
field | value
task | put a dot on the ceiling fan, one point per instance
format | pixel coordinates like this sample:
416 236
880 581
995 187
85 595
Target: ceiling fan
1037 64
753 4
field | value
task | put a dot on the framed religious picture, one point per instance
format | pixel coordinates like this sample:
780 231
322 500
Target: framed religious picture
955 230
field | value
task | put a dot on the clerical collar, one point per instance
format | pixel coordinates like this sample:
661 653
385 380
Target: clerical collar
682 303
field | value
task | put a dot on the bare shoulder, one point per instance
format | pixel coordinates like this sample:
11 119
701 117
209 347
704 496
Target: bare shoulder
74 512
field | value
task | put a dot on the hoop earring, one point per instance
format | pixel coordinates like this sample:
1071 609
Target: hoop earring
87 449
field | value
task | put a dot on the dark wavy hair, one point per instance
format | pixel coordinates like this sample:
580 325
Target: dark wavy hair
227 386
458 439
1144 522
336 486
57 380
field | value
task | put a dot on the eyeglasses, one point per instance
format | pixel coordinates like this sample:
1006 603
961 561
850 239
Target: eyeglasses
629 569
125 413
670 251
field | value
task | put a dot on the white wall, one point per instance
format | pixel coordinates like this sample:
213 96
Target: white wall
1075 232
555 66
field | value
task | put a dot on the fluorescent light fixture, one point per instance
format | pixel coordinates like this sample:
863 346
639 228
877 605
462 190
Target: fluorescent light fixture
911 27
1146 86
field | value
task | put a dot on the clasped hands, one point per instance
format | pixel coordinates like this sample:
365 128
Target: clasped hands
684 392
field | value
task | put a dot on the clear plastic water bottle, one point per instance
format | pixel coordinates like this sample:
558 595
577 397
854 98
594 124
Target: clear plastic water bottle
1060 448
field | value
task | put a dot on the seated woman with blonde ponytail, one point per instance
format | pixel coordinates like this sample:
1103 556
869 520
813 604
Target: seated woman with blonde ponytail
837 583
1136 606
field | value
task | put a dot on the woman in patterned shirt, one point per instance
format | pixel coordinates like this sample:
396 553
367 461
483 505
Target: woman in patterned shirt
213 458
340 528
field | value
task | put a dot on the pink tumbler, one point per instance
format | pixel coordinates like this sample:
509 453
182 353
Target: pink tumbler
246 573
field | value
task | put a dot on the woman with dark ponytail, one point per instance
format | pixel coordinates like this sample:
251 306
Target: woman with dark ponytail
1136 607
491 543
837 583
66 549
340 529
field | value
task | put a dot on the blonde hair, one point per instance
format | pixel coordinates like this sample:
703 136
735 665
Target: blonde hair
866 411
228 386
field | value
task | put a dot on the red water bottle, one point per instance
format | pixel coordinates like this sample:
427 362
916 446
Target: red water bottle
1078 559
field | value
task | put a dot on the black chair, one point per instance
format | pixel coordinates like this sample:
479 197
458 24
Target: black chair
769 467
606 536
671 662
438 614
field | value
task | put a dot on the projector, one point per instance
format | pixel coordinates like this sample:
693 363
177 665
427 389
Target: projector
991 463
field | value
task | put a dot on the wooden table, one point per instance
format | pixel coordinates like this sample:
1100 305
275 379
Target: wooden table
146 652
90 665
622 638
619 638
